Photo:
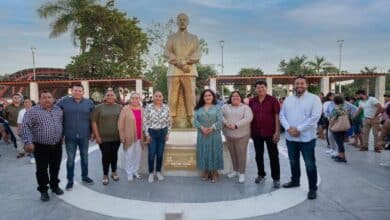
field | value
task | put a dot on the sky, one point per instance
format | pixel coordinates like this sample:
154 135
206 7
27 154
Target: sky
257 33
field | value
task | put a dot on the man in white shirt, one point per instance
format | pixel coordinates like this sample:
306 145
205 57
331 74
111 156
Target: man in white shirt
27 104
299 116
372 108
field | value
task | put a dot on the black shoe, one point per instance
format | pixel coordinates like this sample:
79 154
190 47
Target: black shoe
290 185
44 197
58 191
276 184
312 194
259 179
340 159
69 186
88 181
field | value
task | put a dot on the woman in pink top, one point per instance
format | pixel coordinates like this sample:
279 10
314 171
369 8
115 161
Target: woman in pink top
130 132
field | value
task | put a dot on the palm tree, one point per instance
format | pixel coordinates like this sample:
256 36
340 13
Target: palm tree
320 65
295 66
66 15
368 70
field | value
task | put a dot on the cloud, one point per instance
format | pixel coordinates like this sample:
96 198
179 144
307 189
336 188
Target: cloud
340 14
235 4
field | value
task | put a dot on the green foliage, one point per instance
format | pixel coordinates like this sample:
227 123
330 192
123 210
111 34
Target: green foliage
320 66
66 14
115 44
300 65
204 72
248 72
251 72
158 76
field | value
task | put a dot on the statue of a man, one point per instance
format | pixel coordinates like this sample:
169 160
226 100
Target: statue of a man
182 52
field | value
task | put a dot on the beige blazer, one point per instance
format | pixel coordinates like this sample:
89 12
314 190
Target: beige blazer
127 127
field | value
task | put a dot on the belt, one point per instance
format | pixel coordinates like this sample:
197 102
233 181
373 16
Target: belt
48 145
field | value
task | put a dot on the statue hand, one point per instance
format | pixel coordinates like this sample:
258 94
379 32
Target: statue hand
186 69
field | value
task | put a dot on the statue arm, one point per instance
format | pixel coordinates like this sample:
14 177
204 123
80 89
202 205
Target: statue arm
168 51
194 57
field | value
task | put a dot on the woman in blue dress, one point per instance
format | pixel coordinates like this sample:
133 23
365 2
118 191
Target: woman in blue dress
208 121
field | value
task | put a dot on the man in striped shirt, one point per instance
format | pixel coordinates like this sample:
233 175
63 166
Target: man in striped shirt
42 134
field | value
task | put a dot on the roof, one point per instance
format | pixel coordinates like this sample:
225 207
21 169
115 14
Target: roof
93 82
288 79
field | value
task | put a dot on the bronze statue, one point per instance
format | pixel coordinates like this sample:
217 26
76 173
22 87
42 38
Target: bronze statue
183 53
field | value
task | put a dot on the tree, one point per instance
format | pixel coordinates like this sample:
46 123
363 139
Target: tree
251 72
295 66
204 72
66 15
248 72
319 65
157 75
115 44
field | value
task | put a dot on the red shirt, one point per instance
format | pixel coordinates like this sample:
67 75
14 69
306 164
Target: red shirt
263 123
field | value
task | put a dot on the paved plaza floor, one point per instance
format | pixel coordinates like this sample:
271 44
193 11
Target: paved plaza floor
359 189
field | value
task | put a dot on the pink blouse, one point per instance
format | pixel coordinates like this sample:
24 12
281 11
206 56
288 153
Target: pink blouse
138 122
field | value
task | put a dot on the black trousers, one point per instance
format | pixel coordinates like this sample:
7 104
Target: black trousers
109 155
273 154
47 157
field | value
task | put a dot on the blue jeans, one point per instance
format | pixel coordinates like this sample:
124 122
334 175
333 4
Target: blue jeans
156 148
71 147
307 149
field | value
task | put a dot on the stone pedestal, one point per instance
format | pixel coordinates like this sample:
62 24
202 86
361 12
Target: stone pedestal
179 155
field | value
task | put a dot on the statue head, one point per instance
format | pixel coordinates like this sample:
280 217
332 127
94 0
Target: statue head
182 21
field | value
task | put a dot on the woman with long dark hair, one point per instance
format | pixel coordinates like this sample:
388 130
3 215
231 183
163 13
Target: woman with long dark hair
208 121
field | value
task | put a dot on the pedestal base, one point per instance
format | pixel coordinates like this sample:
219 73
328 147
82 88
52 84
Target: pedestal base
179 155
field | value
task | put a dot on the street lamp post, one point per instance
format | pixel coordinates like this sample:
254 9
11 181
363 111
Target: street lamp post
340 53
222 42
33 57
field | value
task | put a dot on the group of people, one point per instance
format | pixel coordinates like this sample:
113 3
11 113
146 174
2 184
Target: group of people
75 121
357 116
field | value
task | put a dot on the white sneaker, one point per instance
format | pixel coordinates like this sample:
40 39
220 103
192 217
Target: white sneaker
232 174
334 153
160 177
130 178
32 160
329 151
241 178
151 178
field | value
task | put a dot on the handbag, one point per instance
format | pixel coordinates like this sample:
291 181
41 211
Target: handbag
342 123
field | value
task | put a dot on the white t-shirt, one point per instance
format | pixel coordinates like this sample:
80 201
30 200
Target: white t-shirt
20 116
369 107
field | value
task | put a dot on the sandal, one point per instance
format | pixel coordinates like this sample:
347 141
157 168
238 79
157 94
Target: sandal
105 180
205 176
114 177
214 177
137 176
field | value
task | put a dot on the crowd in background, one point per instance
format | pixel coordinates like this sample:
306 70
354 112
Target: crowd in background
40 130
